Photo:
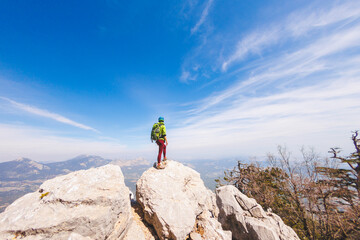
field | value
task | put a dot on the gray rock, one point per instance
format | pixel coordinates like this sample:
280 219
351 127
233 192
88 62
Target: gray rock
247 219
88 204
176 203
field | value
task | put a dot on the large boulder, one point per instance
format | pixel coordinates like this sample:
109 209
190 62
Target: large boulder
88 204
178 205
247 219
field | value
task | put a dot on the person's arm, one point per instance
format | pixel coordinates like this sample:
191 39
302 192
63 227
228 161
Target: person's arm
164 134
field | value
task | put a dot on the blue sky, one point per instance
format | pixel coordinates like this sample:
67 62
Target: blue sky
231 78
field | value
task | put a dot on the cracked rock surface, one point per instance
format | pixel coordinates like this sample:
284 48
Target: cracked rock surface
177 204
87 204
247 219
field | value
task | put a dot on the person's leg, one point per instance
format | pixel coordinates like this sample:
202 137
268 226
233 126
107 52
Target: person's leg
161 147
164 151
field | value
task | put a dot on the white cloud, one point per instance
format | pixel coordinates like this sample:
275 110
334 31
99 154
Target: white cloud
299 65
253 43
297 24
307 93
186 76
40 145
47 114
301 22
322 115
202 19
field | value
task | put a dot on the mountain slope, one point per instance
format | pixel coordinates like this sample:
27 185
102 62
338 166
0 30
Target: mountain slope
22 169
23 175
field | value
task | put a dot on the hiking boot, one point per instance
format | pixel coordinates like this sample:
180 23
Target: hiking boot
165 158
160 166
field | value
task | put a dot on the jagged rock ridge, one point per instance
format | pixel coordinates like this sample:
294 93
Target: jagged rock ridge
246 219
95 204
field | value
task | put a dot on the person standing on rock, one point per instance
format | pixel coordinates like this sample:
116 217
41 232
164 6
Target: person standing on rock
162 142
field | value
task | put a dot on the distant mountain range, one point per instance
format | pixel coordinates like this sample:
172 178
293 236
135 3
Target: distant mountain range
27 169
24 175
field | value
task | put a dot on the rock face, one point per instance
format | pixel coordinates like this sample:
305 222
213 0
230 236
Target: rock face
176 202
247 219
88 204
95 204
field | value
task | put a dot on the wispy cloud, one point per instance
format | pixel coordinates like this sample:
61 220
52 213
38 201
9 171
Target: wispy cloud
297 24
203 17
305 93
187 76
321 115
47 114
43 145
321 55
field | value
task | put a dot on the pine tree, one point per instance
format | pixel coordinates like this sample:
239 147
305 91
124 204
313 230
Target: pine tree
344 196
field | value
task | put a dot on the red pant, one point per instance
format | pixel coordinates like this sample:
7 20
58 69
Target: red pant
162 147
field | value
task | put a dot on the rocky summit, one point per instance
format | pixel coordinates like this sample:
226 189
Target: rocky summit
177 204
172 203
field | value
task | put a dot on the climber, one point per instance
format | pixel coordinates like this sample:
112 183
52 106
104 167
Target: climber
162 142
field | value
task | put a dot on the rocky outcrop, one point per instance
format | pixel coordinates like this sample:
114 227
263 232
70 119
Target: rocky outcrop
172 203
178 205
247 219
88 204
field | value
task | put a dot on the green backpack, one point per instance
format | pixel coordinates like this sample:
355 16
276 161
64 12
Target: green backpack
155 132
